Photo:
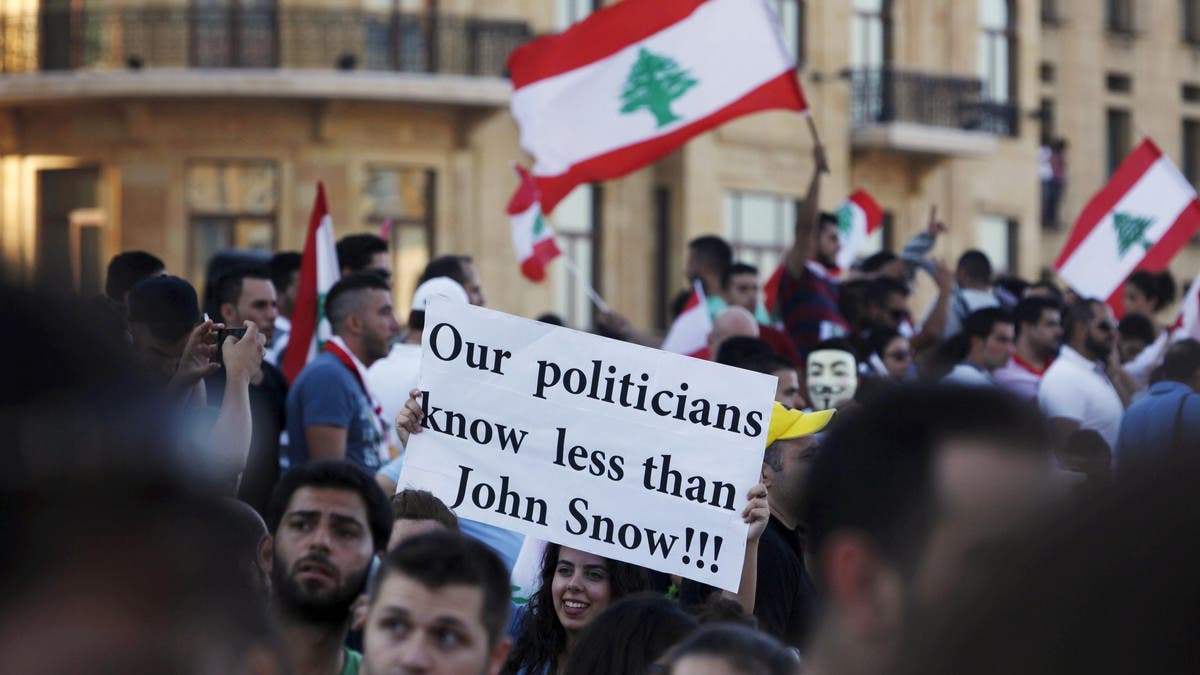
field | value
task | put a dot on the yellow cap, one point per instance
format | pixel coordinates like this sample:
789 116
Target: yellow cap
787 423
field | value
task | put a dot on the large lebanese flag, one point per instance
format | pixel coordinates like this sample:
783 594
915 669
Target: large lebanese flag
858 217
1140 220
689 332
637 79
318 273
533 238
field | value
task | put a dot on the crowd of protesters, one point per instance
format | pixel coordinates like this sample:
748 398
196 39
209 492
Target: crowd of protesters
995 483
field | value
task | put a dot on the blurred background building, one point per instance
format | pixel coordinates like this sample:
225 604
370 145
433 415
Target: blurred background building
186 127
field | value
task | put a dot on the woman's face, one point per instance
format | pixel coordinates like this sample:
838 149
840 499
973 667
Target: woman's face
581 588
1137 302
897 357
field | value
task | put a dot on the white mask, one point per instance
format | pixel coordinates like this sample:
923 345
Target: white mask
832 378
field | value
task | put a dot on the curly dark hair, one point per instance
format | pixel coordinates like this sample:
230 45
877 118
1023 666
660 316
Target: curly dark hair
542 641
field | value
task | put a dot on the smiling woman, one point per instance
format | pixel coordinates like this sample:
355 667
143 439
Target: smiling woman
575 588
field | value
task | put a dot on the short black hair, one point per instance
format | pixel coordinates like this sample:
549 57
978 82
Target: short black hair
981 322
283 265
975 266
737 268
1047 286
837 344
877 261
337 474
229 286
630 636
880 338
445 558
128 268
446 266
742 648
1181 361
1029 310
825 218
882 288
339 303
1079 313
354 251
767 363
166 305
422 505
1157 286
875 475
714 251
1136 327
736 350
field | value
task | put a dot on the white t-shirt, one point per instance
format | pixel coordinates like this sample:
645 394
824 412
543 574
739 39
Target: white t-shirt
393 376
968 375
1076 388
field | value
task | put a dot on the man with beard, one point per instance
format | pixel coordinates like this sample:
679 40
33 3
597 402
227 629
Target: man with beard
328 520
331 411
1039 332
1085 388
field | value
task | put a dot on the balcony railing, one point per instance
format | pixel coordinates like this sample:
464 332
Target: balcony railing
83 38
887 95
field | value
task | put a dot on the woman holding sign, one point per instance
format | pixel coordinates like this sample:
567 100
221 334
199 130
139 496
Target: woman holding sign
575 588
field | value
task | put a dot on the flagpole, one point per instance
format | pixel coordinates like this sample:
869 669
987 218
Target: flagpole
592 294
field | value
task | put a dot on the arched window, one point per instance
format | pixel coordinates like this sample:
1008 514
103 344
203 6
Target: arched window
996 49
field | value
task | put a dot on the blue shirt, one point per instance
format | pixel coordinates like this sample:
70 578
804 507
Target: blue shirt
506 543
326 393
1148 426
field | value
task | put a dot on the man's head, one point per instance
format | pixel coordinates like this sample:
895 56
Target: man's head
1135 332
247 294
1039 325
445 287
709 258
887 303
974 271
285 275
1044 289
459 268
990 338
328 519
897 498
787 388
359 308
790 450
364 253
733 322
440 604
128 268
1090 329
831 373
417 512
741 286
163 310
1181 363
828 245
885 264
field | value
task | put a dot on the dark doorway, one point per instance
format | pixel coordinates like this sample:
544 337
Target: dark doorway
63 255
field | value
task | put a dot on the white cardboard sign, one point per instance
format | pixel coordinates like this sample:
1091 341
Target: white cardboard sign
611 448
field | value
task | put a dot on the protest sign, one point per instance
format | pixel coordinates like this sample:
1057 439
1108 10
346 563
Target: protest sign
615 449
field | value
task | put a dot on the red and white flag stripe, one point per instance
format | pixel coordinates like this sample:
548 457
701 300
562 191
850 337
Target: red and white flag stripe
689 332
318 273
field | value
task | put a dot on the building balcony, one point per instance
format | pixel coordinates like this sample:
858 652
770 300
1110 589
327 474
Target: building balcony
249 51
901 111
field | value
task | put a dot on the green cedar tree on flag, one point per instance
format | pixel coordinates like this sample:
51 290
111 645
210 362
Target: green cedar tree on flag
637 79
1139 220
533 238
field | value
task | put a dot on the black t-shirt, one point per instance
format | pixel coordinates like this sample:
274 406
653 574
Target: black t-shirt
267 405
783 599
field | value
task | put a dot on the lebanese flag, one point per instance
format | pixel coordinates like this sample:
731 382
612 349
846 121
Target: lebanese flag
532 236
1140 220
319 271
637 79
858 217
1188 323
689 332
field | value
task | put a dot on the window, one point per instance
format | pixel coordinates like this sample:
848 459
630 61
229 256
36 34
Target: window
1120 136
791 25
569 12
1118 83
1051 12
399 201
233 33
577 222
1189 21
1191 150
230 205
996 236
1190 93
870 42
1119 16
760 228
1047 73
1046 117
995 49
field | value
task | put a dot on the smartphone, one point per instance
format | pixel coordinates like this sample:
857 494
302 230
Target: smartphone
223 333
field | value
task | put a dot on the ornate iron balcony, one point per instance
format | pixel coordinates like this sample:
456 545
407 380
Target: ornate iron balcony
887 95
244 36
